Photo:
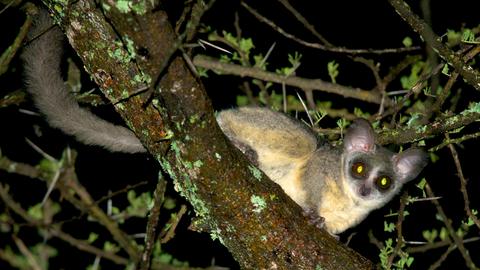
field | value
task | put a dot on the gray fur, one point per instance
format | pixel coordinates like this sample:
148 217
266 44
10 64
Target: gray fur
325 162
280 133
320 177
45 84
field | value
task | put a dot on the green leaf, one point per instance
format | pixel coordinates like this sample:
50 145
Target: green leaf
202 72
388 226
139 206
410 261
443 233
36 211
110 247
409 81
407 42
319 115
333 72
434 157
115 210
260 62
230 38
385 252
246 45
92 237
421 185
165 258
445 70
49 166
359 113
430 236
453 36
226 58
342 123
169 203
468 36
294 59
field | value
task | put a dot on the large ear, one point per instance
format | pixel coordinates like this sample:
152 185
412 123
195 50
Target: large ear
410 163
360 136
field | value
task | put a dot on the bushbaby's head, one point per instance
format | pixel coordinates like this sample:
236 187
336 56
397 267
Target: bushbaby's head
374 174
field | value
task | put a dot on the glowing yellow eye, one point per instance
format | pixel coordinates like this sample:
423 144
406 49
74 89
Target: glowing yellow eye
359 169
384 182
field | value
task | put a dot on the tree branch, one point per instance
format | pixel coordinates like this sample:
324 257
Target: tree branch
303 83
470 75
416 133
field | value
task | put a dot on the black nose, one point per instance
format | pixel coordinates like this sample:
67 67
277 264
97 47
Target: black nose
365 191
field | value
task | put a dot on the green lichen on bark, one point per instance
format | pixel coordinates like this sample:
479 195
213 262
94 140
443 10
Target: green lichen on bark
182 178
259 203
255 172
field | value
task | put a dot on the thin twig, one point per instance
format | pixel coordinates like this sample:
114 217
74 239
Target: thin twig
19 168
198 10
439 244
454 141
9 54
451 231
304 22
32 261
158 198
120 191
41 151
373 240
319 46
14 206
463 183
85 246
306 110
442 258
400 240
169 231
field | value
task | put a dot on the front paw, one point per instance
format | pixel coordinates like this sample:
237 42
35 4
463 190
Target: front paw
314 218
318 221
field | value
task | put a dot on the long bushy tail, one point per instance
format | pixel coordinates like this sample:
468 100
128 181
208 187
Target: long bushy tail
44 82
